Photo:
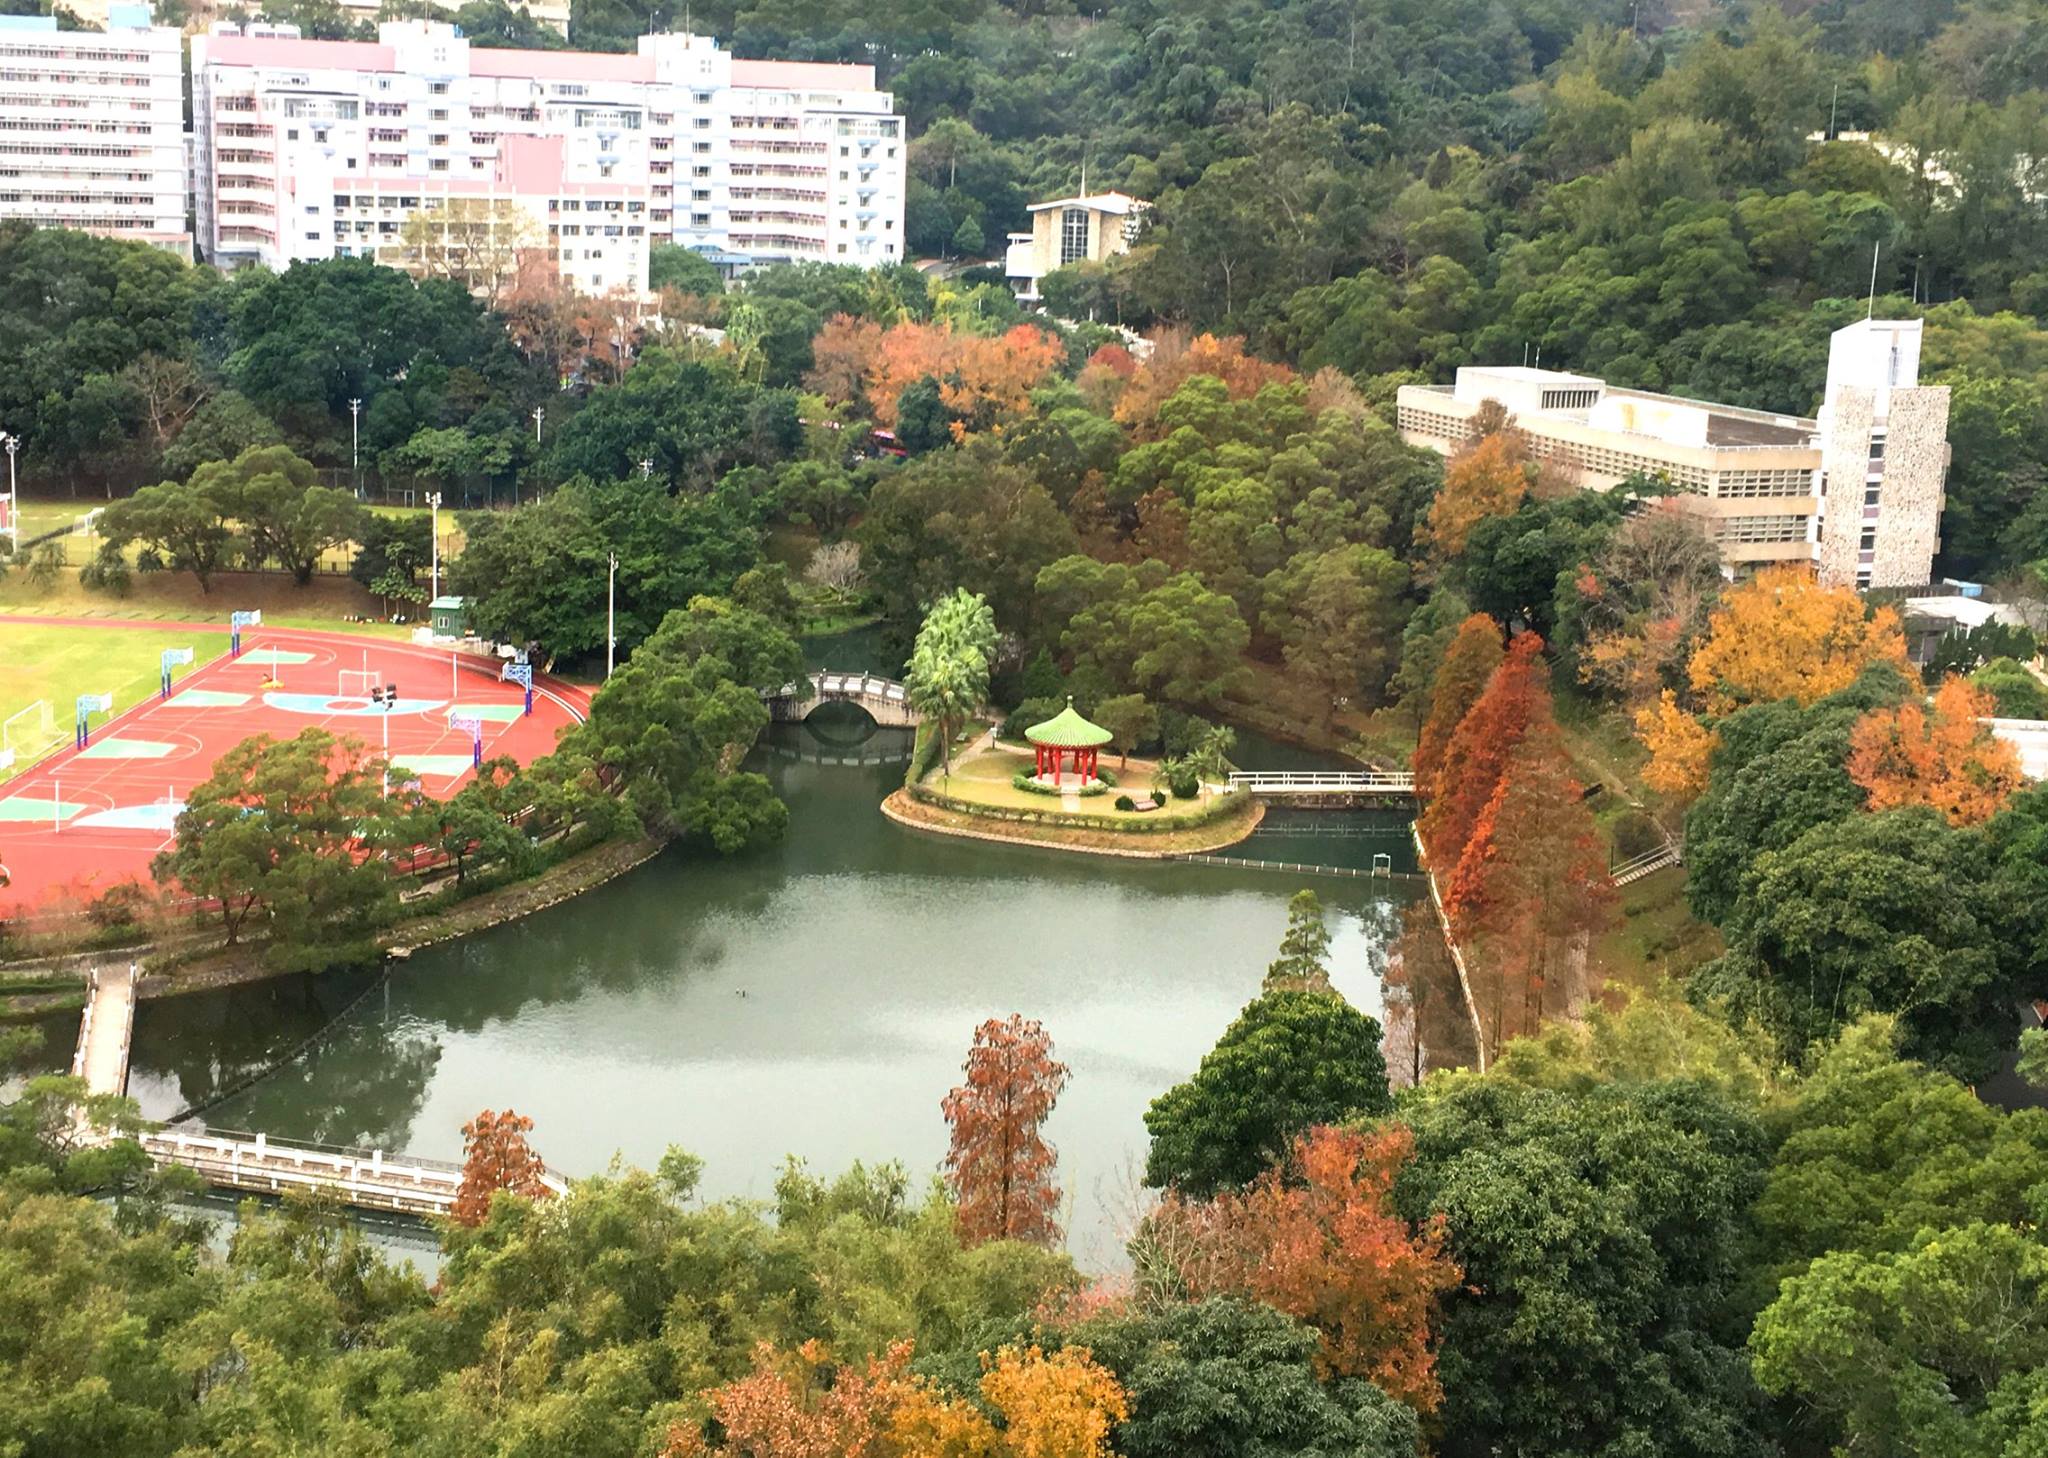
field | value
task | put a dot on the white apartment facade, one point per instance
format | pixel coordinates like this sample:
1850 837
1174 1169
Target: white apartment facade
92 127
1858 492
318 149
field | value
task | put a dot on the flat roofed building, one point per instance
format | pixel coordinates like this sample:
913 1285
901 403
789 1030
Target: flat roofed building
749 162
92 127
1086 228
1858 491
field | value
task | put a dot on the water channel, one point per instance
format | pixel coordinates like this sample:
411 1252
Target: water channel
812 999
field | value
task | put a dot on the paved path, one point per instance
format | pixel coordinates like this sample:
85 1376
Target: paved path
104 1031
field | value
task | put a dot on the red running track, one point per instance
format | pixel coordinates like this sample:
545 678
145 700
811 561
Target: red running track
86 819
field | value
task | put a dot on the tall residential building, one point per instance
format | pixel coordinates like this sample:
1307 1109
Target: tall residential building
1089 228
92 127
317 149
1858 492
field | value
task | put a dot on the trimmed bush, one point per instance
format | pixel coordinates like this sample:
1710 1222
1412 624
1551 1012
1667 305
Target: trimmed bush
1125 802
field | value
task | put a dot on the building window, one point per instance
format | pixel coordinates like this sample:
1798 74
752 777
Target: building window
1871 494
1073 235
438 88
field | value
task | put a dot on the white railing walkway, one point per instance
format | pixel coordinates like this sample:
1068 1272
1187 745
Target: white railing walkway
369 1179
1649 862
1325 782
104 1031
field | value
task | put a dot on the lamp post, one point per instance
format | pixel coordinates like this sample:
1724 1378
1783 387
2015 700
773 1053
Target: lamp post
434 505
355 441
538 412
13 444
611 622
384 698
646 467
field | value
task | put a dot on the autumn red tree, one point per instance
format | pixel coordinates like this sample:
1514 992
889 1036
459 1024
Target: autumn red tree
1000 1168
1175 360
1530 890
1515 697
1940 755
1321 1241
985 380
496 1156
799 1405
1474 653
840 355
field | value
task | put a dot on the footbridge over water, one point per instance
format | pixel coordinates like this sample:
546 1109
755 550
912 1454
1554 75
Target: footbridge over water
1330 789
369 1179
887 702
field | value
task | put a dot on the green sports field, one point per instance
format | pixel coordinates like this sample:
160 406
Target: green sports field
58 664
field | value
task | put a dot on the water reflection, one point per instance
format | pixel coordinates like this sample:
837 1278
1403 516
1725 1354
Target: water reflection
814 998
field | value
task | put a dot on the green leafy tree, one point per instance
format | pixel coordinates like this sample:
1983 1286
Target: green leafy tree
1302 965
1131 720
1889 912
182 524
1939 1348
286 516
1227 1376
671 721
1616 1320
278 831
949 666
1291 1060
672 266
694 421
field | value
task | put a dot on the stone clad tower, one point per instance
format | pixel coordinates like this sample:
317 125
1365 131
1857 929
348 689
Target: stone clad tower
1884 459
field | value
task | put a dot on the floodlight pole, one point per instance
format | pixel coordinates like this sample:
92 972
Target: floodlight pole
434 502
13 443
611 621
355 441
538 412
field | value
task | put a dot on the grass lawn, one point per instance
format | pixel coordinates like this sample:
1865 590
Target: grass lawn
59 664
984 778
1656 936
325 602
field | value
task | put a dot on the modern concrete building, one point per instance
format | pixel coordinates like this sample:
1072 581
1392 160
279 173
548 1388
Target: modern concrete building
1090 228
1857 491
317 149
92 127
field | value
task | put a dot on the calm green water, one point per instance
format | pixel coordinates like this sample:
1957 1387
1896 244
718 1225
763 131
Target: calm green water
813 999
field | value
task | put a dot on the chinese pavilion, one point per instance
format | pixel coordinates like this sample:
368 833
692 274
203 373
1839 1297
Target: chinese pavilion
1066 734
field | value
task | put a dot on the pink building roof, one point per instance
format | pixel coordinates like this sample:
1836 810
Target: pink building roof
255 50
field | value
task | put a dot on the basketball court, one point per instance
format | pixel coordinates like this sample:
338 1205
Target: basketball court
93 815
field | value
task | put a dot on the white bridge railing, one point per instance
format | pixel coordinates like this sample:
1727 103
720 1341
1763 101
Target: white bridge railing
366 1178
1325 782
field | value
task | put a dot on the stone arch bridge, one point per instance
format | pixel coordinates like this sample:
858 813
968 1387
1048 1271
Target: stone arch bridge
885 700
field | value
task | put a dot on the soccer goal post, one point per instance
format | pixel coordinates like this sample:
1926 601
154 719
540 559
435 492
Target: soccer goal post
356 683
28 733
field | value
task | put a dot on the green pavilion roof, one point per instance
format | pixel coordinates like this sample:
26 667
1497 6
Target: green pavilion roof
1068 730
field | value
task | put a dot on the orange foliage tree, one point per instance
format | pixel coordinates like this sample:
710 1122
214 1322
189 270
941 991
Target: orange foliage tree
984 380
1000 1167
496 1156
1530 890
1514 697
1681 749
1944 757
840 356
1322 1242
1474 653
1175 360
1780 635
1487 478
800 1405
